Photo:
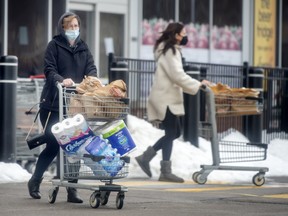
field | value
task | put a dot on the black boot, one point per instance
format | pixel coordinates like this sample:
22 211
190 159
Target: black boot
72 195
33 187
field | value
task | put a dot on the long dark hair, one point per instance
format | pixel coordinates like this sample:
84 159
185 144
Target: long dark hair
168 37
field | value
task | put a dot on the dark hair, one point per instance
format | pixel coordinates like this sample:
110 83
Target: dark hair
168 36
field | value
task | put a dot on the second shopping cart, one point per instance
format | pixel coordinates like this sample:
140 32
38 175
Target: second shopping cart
230 108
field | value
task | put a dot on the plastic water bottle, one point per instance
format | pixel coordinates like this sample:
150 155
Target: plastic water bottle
82 150
109 153
96 147
113 166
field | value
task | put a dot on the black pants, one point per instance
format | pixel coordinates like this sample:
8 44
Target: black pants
52 147
172 127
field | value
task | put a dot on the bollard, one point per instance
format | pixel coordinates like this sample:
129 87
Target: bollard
203 75
110 63
8 88
254 123
119 70
192 110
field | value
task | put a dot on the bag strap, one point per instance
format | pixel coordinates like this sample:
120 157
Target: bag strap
37 114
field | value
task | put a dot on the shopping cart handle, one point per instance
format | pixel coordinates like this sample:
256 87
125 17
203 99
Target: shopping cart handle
94 158
126 159
61 84
203 86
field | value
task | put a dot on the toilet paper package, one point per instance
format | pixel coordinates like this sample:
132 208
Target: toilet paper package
72 133
80 123
60 134
68 126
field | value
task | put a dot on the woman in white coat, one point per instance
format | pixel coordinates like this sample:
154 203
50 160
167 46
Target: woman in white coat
165 102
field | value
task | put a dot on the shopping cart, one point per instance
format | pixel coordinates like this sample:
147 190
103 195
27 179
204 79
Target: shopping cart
225 151
98 112
28 94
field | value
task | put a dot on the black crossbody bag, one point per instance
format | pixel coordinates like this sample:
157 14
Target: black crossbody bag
40 138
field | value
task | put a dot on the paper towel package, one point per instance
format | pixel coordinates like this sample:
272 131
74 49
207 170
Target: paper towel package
119 136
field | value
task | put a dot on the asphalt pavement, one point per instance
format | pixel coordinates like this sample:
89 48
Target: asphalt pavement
148 197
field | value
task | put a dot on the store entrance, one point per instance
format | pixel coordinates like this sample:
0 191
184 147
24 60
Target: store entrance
285 34
103 30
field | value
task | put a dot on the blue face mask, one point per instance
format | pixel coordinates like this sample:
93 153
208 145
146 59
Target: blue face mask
72 34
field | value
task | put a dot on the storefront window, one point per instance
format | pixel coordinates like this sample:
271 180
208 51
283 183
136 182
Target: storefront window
285 34
226 39
156 15
227 24
194 14
27 35
220 44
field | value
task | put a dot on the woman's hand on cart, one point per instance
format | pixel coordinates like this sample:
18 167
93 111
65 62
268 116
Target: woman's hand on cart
204 84
68 82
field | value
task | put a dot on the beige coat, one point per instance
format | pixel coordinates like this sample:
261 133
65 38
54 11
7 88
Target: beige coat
170 81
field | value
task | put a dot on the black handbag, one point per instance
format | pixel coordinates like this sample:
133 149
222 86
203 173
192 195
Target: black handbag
38 139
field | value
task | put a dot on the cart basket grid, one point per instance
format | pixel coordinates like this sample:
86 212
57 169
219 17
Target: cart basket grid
237 105
95 167
232 151
95 107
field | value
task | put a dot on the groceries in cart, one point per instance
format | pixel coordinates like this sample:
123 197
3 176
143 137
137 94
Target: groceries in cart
112 162
77 140
236 101
118 135
71 133
95 100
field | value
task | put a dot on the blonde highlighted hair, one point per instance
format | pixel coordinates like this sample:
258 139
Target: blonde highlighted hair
67 20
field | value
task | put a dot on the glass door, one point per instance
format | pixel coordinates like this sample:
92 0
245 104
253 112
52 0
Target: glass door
86 12
87 15
103 29
111 37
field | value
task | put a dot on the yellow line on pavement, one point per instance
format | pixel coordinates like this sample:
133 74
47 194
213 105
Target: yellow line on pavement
280 196
174 187
209 189
152 183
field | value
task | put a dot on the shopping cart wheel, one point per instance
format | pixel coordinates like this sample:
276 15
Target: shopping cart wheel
194 176
120 200
105 197
198 178
258 179
53 194
95 199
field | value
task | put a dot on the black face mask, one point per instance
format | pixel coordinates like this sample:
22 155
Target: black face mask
184 41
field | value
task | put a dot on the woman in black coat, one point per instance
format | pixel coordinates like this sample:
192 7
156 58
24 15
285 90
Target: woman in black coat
67 60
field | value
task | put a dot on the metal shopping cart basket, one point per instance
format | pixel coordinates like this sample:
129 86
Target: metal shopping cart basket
225 151
98 112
